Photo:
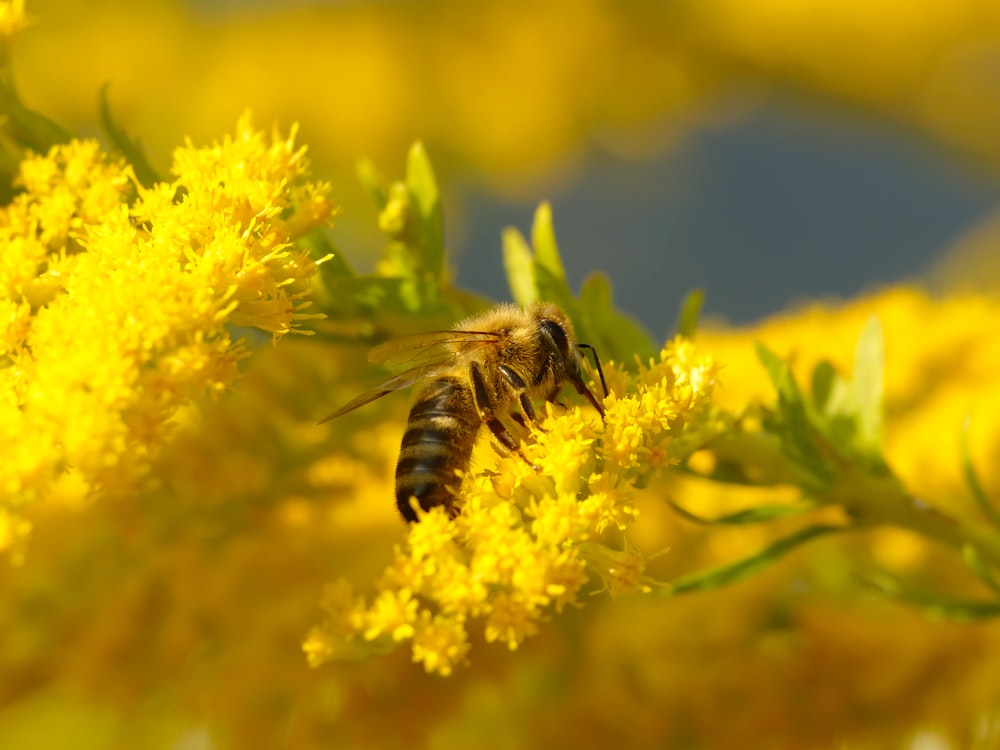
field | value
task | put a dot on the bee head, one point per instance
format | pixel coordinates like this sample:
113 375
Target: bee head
558 329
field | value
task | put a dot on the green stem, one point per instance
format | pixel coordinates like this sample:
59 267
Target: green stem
883 501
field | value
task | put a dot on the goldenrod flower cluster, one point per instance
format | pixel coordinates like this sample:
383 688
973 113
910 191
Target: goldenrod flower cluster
530 534
116 299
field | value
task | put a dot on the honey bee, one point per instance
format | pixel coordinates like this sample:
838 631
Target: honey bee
487 371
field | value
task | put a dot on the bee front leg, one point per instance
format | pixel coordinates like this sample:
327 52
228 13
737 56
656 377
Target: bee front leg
521 389
485 407
521 421
553 396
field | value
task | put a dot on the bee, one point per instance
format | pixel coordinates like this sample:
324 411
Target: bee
487 371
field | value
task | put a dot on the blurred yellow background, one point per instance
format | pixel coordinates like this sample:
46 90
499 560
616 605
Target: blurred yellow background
766 149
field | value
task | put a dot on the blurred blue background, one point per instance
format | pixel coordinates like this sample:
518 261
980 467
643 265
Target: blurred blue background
792 203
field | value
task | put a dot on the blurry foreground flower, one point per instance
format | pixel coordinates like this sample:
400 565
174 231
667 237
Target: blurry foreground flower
115 300
528 541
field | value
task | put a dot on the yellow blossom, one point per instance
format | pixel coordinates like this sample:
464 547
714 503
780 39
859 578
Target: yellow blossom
511 620
391 613
116 299
622 571
440 643
525 537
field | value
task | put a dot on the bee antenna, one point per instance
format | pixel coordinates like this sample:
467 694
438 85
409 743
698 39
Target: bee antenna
597 364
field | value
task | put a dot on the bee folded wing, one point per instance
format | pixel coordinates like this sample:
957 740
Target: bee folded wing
429 354
432 345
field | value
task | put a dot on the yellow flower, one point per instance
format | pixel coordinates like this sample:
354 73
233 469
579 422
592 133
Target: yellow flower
392 613
115 310
622 571
512 619
641 427
440 643
521 547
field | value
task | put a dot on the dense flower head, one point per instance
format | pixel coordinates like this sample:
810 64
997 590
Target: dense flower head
115 299
531 533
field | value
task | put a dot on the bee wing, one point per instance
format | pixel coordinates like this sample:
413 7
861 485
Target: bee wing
396 383
427 346
430 350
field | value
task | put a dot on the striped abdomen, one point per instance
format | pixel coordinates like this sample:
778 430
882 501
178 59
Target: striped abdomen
439 437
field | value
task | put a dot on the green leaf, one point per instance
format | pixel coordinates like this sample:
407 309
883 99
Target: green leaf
824 381
536 273
543 240
131 150
932 604
553 288
867 384
617 336
793 425
423 187
725 575
547 277
549 274
761 514
687 321
519 265
974 559
373 181
27 128
320 246
972 478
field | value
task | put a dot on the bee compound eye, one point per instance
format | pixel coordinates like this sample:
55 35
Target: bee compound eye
558 335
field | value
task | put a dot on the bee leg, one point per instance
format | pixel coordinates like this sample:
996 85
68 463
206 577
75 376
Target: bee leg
484 406
529 412
553 395
520 388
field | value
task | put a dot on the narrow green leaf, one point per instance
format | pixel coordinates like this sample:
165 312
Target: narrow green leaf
779 374
687 321
932 604
27 128
130 149
794 426
974 559
519 265
867 383
536 273
543 240
615 334
424 189
730 573
972 477
596 295
761 514
553 288
320 246
373 181
824 378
